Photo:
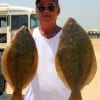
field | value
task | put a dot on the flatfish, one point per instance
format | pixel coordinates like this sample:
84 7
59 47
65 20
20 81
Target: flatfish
19 61
75 58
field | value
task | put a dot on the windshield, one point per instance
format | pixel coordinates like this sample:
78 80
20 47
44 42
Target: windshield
3 22
34 22
3 29
18 20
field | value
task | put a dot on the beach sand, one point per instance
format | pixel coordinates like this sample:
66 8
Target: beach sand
91 91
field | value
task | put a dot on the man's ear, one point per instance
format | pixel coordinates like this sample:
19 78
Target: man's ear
36 12
58 10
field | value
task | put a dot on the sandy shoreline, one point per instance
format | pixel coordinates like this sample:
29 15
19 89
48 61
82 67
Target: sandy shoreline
91 91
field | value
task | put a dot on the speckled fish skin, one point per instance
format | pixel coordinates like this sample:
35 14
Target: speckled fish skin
75 58
19 61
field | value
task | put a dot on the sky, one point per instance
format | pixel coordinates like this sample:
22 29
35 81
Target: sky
85 12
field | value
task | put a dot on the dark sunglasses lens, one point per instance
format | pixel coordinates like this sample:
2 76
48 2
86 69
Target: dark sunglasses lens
41 8
51 7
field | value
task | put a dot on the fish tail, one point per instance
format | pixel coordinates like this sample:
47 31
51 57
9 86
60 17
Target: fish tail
75 96
16 96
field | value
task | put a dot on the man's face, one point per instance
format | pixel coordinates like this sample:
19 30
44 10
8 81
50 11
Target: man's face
47 11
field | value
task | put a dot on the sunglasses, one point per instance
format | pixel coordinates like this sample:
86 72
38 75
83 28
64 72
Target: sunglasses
42 7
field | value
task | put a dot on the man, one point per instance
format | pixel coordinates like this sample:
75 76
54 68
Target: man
47 85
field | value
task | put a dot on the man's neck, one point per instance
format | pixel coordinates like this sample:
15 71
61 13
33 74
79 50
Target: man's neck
49 32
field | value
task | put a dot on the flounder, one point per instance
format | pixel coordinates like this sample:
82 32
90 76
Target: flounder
19 61
75 58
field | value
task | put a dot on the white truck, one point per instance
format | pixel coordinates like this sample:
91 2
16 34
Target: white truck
11 19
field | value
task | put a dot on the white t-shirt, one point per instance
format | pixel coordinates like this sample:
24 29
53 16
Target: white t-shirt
46 85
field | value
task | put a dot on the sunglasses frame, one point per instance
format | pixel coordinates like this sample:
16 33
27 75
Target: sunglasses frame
42 7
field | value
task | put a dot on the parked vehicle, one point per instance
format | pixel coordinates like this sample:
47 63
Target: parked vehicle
94 33
11 19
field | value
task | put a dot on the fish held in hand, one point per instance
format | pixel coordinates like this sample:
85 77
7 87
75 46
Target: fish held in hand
75 58
19 61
